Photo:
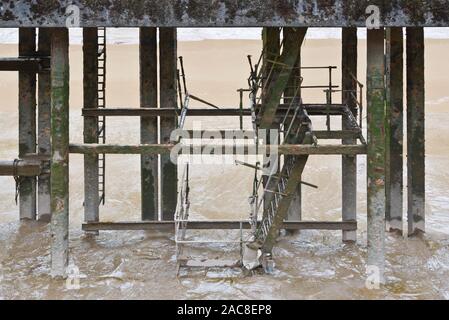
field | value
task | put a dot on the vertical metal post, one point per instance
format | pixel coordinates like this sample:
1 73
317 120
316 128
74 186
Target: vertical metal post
90 87
294 89
27 122
149 125
395 128
376 150
349 163
59 151
415 131
44 125
168 99
271 39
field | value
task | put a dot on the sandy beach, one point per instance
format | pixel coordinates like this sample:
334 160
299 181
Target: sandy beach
310 265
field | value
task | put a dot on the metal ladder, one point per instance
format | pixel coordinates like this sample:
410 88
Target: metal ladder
101 132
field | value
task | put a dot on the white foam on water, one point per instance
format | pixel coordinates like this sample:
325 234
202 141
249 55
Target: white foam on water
131 35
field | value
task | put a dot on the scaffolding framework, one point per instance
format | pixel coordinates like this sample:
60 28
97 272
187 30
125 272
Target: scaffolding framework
275 87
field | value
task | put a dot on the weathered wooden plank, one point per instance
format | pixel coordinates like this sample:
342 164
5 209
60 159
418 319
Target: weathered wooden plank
349 163
376 150
215 225
415 131
149 164
168 97
395 129
27 122
20 168
44 127
236 149
25 64
90 133
60 152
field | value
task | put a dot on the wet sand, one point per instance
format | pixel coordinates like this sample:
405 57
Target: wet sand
141 265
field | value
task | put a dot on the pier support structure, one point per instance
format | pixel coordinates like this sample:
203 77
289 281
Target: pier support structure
27 122
59 151
293 91
44 126
349 163
271 41
90 85
415 131
395 129
149 125
168 99
376 150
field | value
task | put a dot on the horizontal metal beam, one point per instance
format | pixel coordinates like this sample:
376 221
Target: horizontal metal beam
221 13
312 109
214 225
217 149
20 168
337 135
161 112
24 64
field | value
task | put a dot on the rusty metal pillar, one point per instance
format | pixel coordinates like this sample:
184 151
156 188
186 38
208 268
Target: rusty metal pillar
395 128
44 125
415 131
90 87
27 122
349 163
59 151
149 125
376 150
168 99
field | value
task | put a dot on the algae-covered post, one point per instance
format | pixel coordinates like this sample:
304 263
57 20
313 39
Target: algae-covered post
395 128
415 131
376 150
44 112
90 85
149 125
349 163
27 122
59 151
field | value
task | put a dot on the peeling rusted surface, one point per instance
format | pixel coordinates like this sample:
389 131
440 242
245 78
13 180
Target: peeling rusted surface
227 13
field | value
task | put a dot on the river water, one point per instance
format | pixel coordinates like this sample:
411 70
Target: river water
142 265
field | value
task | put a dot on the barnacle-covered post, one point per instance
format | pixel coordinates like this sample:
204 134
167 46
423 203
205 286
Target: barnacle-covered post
59 151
